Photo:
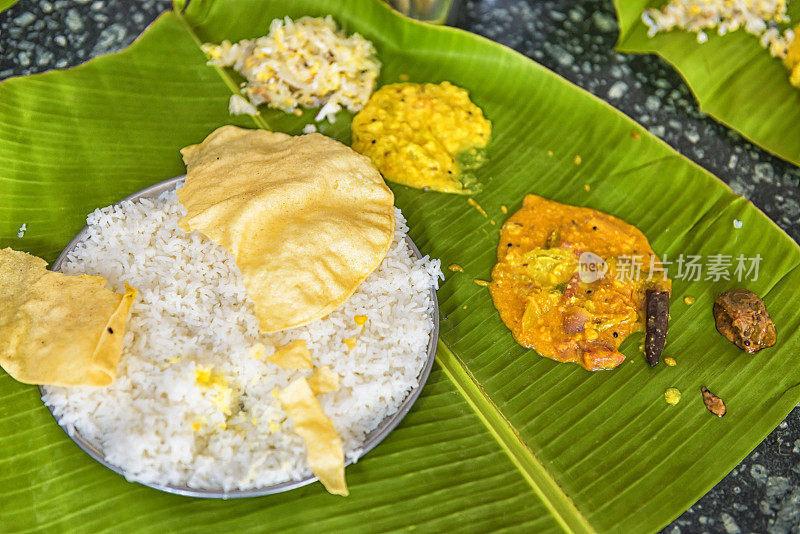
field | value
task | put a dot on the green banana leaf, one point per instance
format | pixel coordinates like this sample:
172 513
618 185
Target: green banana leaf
734 80
500 439
5 4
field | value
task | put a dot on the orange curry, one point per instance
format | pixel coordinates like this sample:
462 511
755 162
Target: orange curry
570 282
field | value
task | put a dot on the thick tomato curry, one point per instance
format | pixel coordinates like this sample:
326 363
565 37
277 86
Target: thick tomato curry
570 282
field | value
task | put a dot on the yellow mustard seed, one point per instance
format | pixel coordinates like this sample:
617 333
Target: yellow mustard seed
688 300
577 160
670 361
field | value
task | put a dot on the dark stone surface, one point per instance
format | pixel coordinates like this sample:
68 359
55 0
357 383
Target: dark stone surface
576 40
36 36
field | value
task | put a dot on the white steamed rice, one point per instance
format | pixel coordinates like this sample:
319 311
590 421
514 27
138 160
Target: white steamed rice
760 18
191 313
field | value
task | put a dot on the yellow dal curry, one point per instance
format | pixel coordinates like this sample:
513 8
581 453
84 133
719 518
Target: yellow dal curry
421 135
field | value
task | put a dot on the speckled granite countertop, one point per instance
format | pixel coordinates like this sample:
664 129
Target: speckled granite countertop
575 39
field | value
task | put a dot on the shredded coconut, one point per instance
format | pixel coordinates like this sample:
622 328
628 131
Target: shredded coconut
240 106
307 62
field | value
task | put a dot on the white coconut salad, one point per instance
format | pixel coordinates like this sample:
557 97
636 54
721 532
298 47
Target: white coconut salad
304 63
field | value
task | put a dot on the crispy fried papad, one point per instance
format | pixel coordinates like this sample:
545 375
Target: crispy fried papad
323 444
570 282
324 381
306 218
56 329
295 355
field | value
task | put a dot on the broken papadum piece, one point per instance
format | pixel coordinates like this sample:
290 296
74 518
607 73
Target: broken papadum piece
324 381
306 218
295 355
324 446
56 329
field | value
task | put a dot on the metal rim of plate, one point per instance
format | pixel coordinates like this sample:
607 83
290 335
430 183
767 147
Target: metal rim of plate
372 439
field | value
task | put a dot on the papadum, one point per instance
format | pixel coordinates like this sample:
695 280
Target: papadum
306 218
56 329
